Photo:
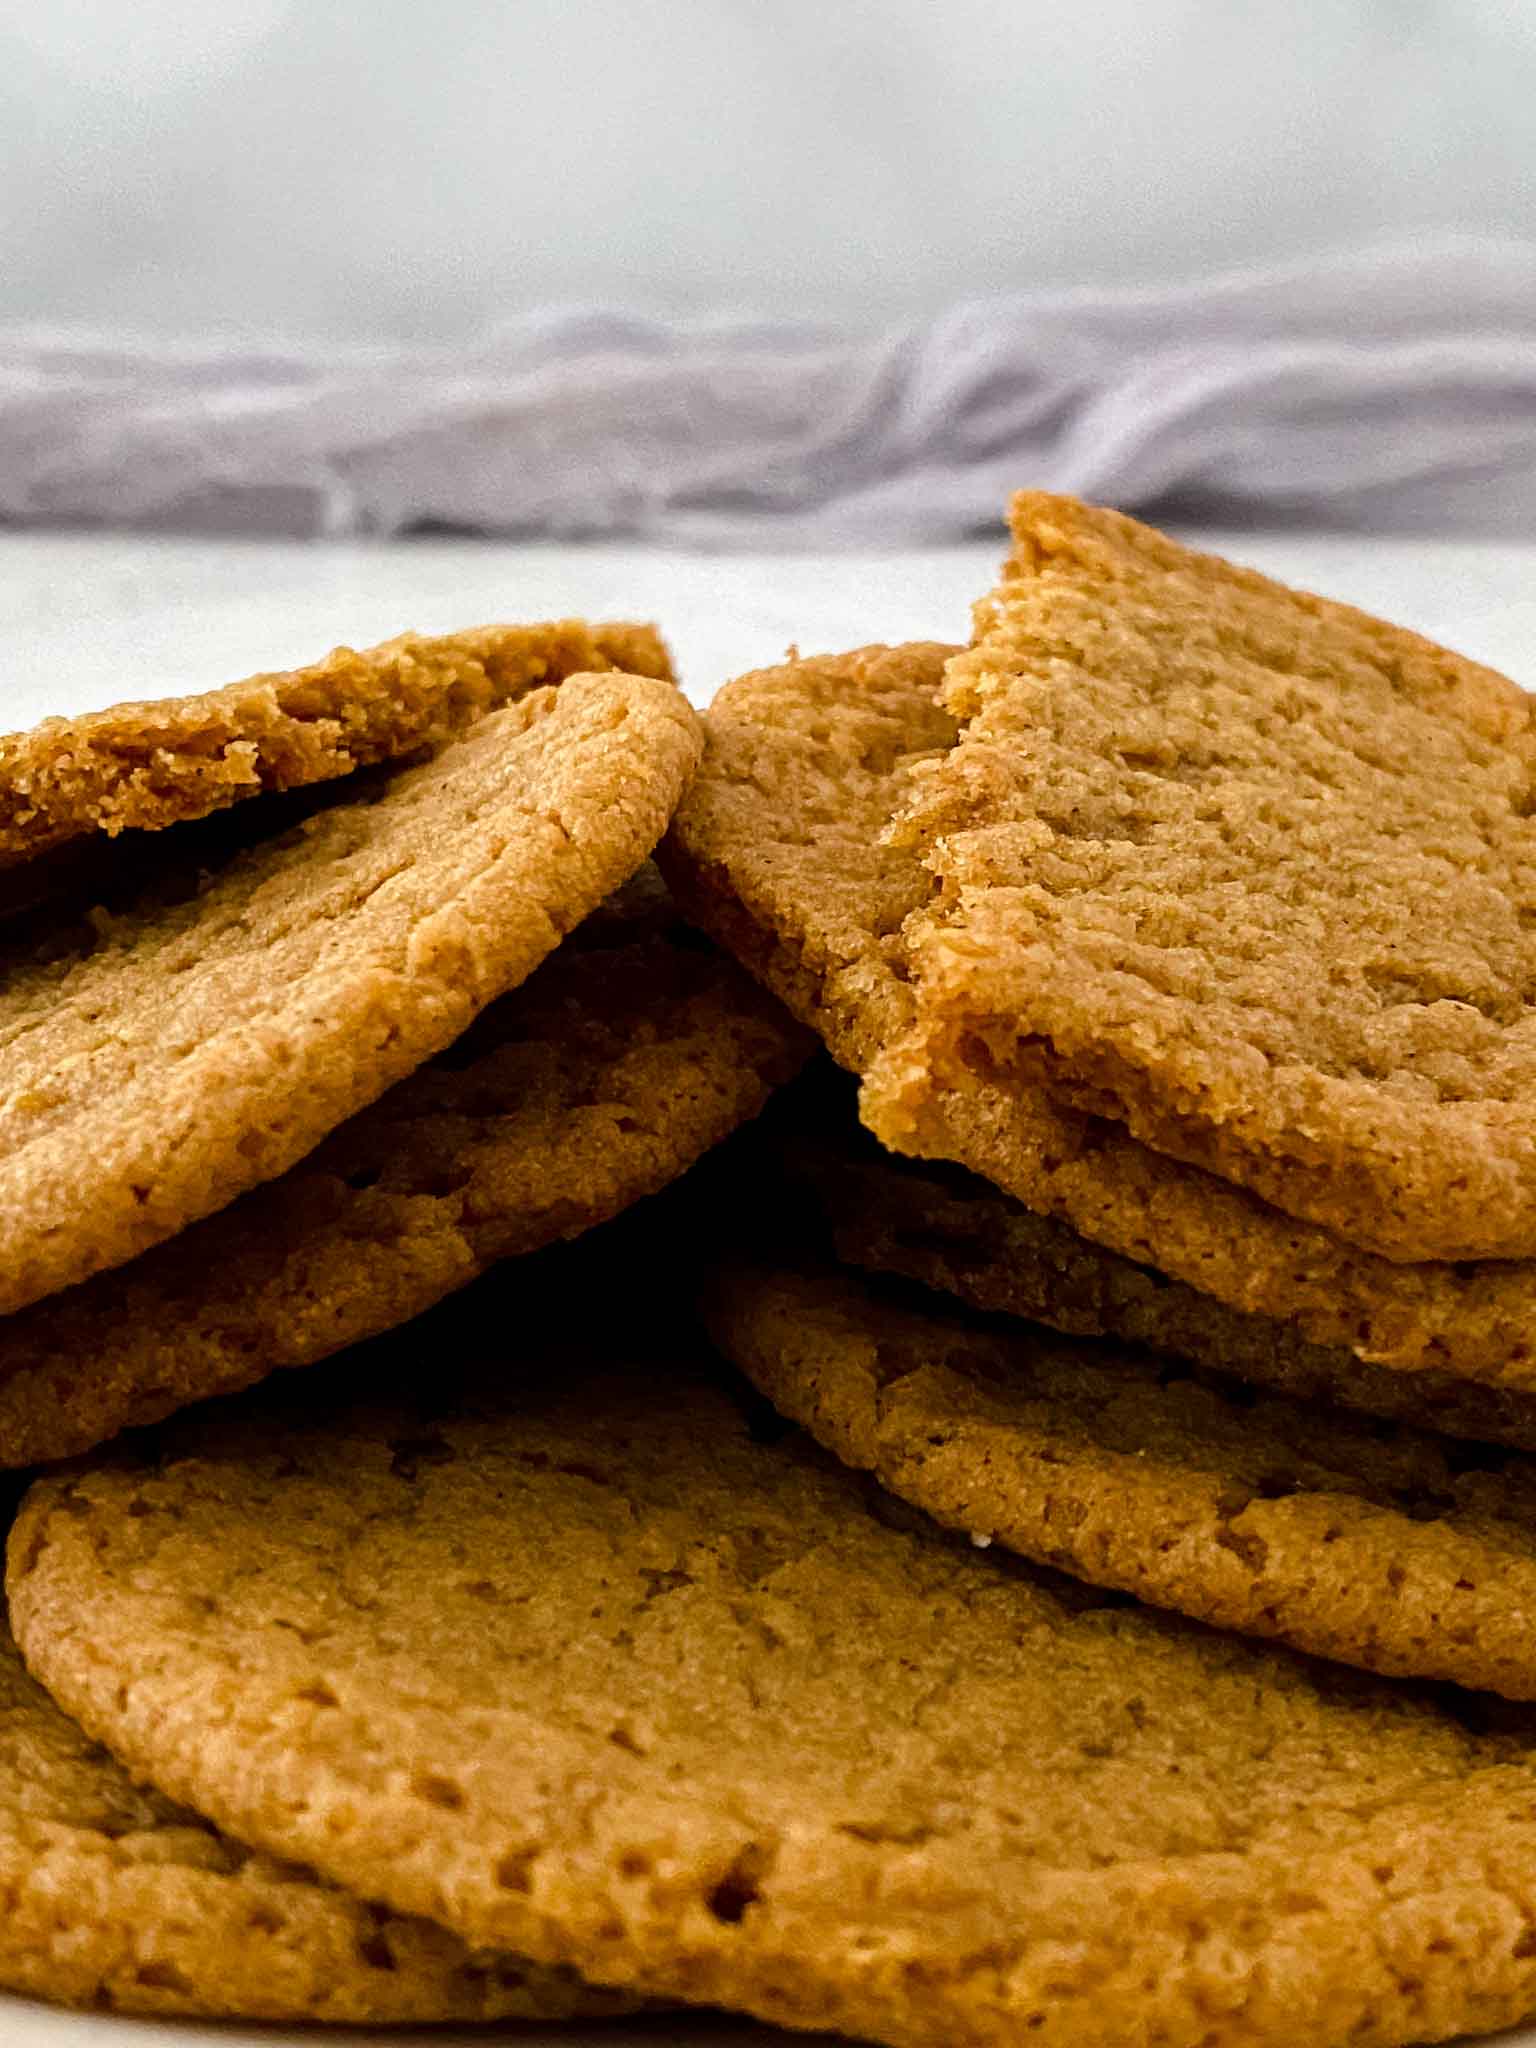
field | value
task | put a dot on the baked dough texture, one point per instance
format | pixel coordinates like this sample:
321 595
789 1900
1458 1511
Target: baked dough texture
1391 1549
114 1899
632 1051
147 765
951 1231
781 850
1247 870
164 1057
564 1646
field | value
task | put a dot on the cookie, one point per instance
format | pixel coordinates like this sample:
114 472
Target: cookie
1388 1548
145 766
118 1901
634 1049
1247 871
166 1057
564 1646
779 850
953 1232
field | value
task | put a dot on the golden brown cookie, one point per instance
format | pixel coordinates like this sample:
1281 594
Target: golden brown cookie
779 850
116 1900
1387 1548
583 1659
1246 870
162 1059
954 1232
148 765
634 1049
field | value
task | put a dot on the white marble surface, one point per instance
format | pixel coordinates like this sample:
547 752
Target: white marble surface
86 620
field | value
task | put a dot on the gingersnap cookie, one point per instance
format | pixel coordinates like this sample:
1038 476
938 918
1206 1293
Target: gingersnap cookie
1246 870
118 1901
563 1646
148 765
1388 1548
162 1059
955 1233
632 1051
780 849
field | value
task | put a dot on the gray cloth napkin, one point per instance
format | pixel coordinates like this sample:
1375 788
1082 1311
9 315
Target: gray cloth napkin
1393 388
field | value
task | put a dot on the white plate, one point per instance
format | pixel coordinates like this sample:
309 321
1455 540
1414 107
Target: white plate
89 620
30 2026
34 2026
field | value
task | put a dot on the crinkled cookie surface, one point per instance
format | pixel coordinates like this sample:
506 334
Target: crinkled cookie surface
1250 871
956 1233
802 1756
117 1900
148 765
632 1051
161 1058
781 850
1391 1549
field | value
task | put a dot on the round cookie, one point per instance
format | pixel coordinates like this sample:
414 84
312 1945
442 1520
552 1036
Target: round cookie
1391 1549
1247 871
633 1050
781 850
118 1901
565 1646
165 1058
954 1232
147 765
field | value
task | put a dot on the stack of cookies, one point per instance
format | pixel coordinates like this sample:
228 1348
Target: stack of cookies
1032 1538
324 993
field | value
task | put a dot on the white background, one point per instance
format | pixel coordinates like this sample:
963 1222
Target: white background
417 168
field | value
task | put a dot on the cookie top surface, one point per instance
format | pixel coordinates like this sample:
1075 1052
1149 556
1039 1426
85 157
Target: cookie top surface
807 890
117 1900
954 1232
1253 872
777 847
1388 1548
588 1664
148 765
163 1058
634 1049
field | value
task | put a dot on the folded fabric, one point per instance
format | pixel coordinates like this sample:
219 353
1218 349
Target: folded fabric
1393 388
